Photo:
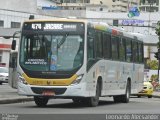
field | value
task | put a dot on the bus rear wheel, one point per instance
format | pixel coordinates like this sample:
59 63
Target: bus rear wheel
41 101
93 101
123 98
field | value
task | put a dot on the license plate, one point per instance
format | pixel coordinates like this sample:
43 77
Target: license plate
48 93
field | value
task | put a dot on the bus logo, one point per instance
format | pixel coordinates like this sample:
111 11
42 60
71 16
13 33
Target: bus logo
48 82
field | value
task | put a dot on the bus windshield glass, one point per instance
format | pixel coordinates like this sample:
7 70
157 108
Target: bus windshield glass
49 50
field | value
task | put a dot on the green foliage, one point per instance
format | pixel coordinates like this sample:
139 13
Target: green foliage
154 77
153 64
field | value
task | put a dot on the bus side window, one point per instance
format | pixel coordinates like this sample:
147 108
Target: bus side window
128 51
135 51
90 52
140 52
98 45
115 42
90 48
107 46
122 49
90 44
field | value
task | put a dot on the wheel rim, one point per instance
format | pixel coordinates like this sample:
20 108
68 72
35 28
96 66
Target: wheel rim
128 93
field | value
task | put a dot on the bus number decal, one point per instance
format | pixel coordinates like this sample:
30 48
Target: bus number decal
53 27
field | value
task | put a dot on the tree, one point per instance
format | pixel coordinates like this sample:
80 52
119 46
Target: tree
153 64
154 78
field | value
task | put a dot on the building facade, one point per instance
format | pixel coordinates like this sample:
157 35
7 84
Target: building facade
123 5
112 5
12 17
149 5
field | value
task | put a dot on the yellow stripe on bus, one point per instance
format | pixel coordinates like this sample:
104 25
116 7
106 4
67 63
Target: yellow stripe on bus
49 82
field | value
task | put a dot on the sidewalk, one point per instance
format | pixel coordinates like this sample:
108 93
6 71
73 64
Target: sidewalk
156 94
9 95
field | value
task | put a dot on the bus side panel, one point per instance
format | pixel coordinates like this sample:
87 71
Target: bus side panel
138 77
95 72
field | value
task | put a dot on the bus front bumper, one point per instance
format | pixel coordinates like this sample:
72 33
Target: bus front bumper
77 90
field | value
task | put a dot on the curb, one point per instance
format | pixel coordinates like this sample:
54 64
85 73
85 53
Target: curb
15 100
156 96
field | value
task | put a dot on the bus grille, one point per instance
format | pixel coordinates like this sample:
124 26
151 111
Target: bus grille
57 91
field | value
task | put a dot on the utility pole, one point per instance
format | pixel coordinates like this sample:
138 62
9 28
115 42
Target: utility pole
157 55
158 63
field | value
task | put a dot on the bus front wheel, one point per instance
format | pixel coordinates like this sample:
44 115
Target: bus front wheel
41 101
93 101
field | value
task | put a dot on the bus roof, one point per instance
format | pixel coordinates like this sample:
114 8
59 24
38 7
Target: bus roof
115 30
57 19
96 25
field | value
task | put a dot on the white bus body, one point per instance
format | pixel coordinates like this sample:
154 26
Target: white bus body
87 60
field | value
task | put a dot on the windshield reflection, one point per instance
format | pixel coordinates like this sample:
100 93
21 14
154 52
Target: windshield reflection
51 52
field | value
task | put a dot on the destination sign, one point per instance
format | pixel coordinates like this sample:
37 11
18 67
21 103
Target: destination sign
50 26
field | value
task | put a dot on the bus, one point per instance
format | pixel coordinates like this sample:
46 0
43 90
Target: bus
79 60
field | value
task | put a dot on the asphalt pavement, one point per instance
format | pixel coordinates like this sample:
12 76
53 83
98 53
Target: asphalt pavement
9 95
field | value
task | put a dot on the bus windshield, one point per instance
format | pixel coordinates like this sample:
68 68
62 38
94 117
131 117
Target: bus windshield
51 52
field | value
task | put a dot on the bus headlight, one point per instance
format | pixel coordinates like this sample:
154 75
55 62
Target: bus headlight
77 80
21 79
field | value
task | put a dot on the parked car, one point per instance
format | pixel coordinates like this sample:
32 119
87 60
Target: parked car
147 90
3 75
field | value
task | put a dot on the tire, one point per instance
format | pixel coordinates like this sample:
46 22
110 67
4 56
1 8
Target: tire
149 96
117 99
93 101
139 96
77 100
123 98
41 101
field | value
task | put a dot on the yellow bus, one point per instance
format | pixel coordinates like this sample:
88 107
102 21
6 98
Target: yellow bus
78 60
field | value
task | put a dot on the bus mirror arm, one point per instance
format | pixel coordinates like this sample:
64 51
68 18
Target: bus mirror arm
13 47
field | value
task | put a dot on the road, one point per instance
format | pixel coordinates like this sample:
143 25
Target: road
61 106
61 109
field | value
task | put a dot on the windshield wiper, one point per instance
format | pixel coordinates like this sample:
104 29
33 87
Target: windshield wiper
62 41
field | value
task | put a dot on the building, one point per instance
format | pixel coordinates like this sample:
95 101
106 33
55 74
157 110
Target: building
93 5
111 5
123 5
149 5
12 17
